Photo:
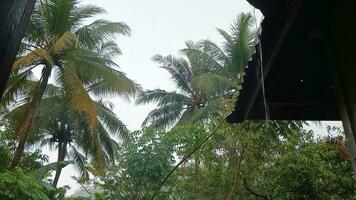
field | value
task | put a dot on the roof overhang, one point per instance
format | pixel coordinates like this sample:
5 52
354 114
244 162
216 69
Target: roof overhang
296 46
14 16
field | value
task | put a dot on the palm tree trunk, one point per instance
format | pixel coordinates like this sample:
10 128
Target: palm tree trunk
24 127
62 151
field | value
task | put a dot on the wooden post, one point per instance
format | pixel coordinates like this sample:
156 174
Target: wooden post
348 122
347 113
342 27
14 16
345 91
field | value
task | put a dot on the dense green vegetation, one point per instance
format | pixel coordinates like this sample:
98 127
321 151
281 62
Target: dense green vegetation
278 160
185 149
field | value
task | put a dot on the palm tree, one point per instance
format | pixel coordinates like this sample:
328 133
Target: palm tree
209 74
66 131
224 67
77 56
63 128
190 102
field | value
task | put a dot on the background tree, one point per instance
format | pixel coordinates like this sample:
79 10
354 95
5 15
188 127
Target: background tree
209 73
23 182
32 159
19 185
67 132
257 160
177 107
224 67
144 159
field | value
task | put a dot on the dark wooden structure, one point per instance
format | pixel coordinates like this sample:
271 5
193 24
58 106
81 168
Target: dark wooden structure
14 16
308 51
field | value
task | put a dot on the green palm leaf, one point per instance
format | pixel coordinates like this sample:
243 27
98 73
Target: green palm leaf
79 162
214 84
179 70
162 97
37 55
111 121
164 116
78 97
101 31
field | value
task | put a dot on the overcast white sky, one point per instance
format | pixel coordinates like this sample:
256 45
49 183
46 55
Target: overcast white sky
158 27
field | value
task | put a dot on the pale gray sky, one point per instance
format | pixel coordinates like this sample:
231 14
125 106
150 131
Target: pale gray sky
158 27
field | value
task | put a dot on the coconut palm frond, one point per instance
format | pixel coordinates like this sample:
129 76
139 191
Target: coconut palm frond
67 39
162 97
164 116
108 144
37 55
97 153
179 70
101 31
114 83
214 84
202 61
243 41
80 162
111 121
108 50
78 97
83 12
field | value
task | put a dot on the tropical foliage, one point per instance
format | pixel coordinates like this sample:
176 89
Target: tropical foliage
77 57
256 160
207 74
18 185
57 97
224 66
67 132
176 107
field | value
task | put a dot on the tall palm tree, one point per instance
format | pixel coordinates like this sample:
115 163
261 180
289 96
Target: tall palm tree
210 73
188 103
77 56
66 130
224 67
